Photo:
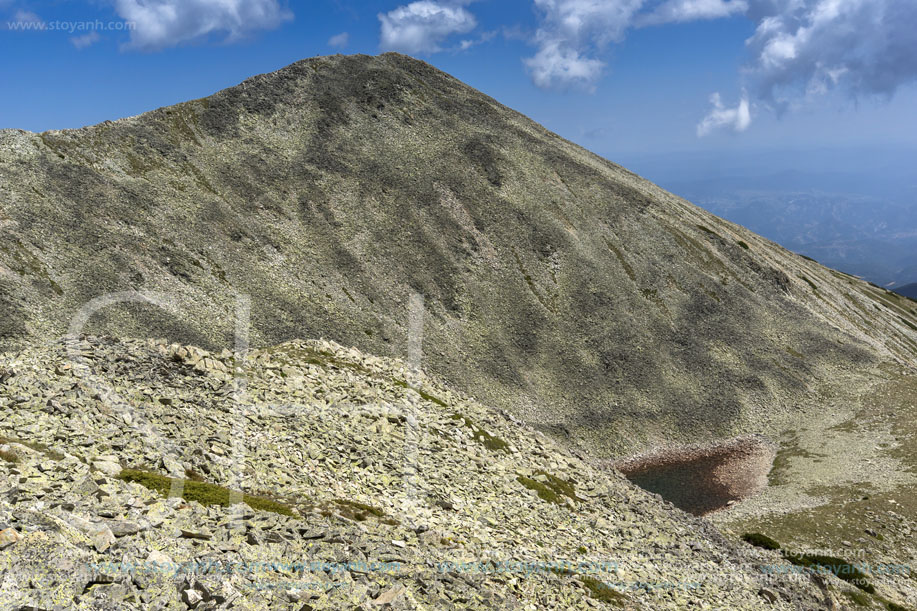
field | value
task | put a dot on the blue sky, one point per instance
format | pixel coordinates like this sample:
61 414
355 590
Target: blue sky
625 78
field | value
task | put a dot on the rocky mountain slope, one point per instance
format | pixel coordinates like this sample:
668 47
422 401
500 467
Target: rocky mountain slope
367 485
556 285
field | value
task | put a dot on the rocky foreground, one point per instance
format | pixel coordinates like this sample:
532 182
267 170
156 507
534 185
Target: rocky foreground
365 485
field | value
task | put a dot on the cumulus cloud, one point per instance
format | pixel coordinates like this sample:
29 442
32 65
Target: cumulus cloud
736 119
571 35
423 26
677 11
166 23
800 49
86 40
339 41
559 66
862 46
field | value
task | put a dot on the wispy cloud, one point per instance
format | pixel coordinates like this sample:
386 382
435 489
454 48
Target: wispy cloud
86 40
423 26
23 21
167 23
23 16
339 41
678 11
473 42
736 119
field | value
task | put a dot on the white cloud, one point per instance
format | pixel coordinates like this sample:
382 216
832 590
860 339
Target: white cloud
23 21
423 26
473 42
26 17
720 117
676 11
813 46
561 67
339 41
575 21
800 47
167 23
803 49
86 40
571 33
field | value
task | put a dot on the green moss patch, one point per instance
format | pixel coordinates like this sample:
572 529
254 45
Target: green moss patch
33 445
552 490
194 476
811 284
602 592
359 512
481 436
743 245
708 231
424 395
839 567
788 450
759 540
428 397
598 589
202 492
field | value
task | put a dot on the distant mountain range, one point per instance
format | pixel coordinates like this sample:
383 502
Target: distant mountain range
858 234
853 210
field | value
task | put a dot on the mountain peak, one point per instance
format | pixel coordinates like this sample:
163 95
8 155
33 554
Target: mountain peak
556 284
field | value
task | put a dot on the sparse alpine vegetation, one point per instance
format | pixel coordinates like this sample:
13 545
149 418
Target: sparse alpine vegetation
556 285
347 479
201 492
330 199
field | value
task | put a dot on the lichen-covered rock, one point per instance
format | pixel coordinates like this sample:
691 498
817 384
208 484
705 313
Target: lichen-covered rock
333 480
557 285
